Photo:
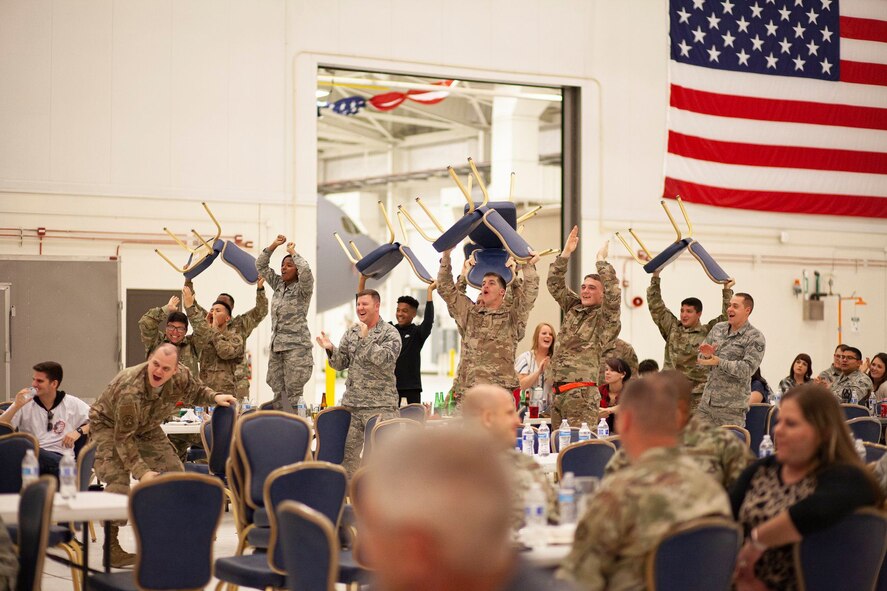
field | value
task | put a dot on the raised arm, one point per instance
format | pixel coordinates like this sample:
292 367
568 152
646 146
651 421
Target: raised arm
565 297
203 332
263 260
611 306
525 294
726 295
664 319
149 323
306 277
428 318
458 304
249 321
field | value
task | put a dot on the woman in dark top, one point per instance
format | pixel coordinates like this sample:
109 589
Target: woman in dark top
760 389
616 373
815 479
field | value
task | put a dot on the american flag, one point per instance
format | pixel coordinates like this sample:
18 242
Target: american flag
779 105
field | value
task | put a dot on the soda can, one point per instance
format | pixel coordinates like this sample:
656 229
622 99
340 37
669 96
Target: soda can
883 411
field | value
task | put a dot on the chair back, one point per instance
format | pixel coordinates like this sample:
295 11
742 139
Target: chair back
34 516
698 554
742 434
860 540
615 440
6 428
319 485
184 560
756 423
4 406
414 412
217 438
388 427
855 411
772 417
331 426
866 428
266 441
873 451
85 462
12 452
586 458
556 440
310 555
368 435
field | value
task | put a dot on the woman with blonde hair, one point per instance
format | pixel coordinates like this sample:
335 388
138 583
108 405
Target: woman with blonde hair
530 365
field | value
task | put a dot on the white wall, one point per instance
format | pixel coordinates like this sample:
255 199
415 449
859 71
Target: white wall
124 115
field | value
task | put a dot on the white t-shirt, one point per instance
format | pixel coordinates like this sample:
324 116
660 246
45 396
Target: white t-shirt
526 364
67 416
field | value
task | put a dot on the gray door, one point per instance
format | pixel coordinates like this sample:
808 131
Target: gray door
5 357
139 301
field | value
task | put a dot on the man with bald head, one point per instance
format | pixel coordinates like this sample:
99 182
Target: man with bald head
715 450
636 506
125 424
491 408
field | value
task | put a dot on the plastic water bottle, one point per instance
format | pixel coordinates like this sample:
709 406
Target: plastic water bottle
198 412
30 468
860 449
544 440
565 436
776 398
566 499
300 406
766 448
535 513
68 475
32 391
603 429
529 437
854 398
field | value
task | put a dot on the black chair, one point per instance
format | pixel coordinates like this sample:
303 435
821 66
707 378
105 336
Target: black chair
331 427
216 436
855 411
34 515
756 423
414 412
12 452
866 428
699 554
309 548
586 458
556 440
860 540
182 560
85 463
6 428
367 435
772 417
742 434
873 451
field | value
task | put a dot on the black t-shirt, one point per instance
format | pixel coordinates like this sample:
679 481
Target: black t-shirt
408 370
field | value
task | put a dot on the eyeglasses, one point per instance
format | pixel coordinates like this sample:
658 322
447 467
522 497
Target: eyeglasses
176 328
847 357
48 421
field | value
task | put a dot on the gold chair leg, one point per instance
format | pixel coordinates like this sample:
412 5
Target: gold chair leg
76 558
92 531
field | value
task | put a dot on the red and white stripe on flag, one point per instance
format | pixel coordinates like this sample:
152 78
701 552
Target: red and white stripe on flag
779 105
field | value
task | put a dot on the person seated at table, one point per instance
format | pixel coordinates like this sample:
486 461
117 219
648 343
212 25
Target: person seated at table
812 482
635 507
491 409
530 365
714 449
616 374
647 366
760 389
448 529
801 372
877 373
58 420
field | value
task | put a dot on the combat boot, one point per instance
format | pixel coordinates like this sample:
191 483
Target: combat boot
120 558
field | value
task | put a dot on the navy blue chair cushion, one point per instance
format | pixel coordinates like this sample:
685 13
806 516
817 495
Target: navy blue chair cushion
332 427
700 558
482 235
367 435
489 260
412 412
586 460
34 514
197 468
183 560
268 441
665 258
6 428
251 571
241 261
380 261
574 437
772 417
711 267
12 452
873 453
204 264
308 547
259 537
219 438
85 463
418 268
513 242
756 423
866 428
460 230
854 411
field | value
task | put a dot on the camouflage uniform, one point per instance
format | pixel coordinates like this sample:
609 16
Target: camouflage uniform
152 336
715 450
525 472
125 423
489 337
222 353
832 374
586 332
725 397
371 387
290 364
632 511
879 469
844 387
682 344
621 350
244 325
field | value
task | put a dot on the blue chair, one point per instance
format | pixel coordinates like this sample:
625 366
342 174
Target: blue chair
855 411
331 426
368 435
866 428
711 267
414 412
756 423
85 463
391 426
873 451
182 560
489 260
556 440
12 452
34 515
5 405
6 428
216 435
858 541
586 458
772 418
740 433
699 554
241 261
615 440
309 548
